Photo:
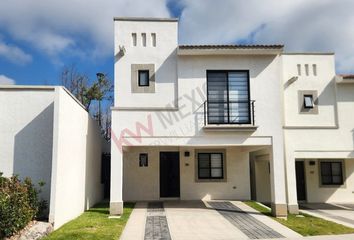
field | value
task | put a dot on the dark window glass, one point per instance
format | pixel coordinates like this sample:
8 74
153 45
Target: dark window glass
143 160
143 80
331 173
228 97
308 101
210 166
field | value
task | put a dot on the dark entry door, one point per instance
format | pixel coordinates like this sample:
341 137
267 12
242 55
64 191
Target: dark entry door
300 181
169 174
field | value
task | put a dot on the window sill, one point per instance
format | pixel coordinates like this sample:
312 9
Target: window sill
210 180
230 127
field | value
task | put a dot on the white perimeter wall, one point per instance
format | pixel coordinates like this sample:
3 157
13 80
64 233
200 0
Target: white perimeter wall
142 183
26 133
76 160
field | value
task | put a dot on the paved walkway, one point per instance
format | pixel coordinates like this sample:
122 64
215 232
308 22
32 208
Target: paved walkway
339 213
198 220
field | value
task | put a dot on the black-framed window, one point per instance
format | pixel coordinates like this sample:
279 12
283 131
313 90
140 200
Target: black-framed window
143 78
308 101
143 160
228 97
210 166
331 173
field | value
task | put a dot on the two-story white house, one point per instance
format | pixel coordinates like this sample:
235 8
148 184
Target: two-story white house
239 122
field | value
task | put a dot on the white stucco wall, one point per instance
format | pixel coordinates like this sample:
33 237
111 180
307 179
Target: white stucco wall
26 133
142 183
326 135
76 160
163 56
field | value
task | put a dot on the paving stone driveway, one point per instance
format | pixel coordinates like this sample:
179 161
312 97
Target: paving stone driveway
253 228
195 220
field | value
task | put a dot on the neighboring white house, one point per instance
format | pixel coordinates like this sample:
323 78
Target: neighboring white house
46 134
227 121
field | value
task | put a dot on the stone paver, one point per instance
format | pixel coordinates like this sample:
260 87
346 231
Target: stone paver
283 230
156 226
249 225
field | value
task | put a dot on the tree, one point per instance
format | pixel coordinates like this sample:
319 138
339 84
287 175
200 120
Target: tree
88 92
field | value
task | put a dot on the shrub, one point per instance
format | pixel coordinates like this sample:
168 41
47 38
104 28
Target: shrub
19 204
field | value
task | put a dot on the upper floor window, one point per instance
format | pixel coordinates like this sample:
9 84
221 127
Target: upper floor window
331 173
143 78
308 101
228 97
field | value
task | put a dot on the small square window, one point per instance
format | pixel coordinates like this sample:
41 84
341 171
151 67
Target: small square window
143 160
143 76
308 101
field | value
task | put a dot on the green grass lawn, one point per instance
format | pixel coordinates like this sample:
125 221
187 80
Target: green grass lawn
306 225
93 224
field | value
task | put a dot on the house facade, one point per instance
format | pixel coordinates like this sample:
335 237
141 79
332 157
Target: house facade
238 122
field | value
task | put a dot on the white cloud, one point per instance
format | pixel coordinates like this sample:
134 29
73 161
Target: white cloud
311 25
6 80
71 26
14 54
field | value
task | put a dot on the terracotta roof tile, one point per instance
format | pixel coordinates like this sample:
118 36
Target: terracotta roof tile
347 76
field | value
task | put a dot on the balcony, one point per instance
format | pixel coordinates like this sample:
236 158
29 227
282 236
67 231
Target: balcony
226 115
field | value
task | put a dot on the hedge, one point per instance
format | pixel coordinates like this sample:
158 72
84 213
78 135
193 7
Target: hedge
19 204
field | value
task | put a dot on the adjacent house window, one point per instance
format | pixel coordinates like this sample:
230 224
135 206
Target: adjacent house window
308 101
143 160
210 166
143 78
331 173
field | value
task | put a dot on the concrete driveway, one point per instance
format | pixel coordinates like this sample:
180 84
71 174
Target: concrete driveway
341 213
201 220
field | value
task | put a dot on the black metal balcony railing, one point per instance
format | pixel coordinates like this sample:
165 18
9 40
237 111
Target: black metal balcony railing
229 112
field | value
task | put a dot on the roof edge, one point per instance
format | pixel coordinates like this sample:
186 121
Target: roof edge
308 53
28 87
145 19
230 46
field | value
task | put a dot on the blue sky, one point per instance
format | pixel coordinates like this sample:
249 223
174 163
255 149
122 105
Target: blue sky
39 37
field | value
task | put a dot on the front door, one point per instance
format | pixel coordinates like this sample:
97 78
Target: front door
169 174
300 181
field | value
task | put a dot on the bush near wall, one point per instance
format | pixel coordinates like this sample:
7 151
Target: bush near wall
19 204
